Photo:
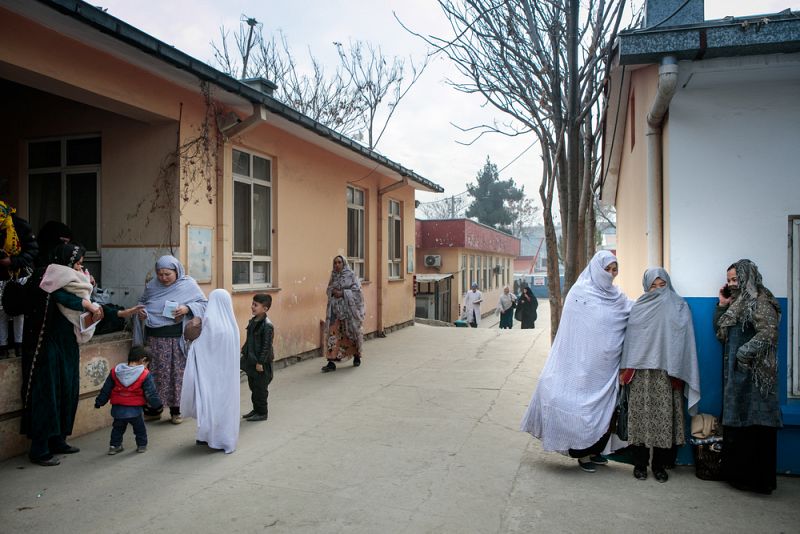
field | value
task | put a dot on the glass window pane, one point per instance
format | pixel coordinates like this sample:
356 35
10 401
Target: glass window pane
349 195
261 272
361 233
84 151
398 241
44 154
261 220
241 272
241 163
359 197
82 208
352 233
242 219
44 199
261 169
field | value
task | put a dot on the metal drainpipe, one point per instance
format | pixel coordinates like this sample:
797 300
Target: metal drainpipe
667 85
379 269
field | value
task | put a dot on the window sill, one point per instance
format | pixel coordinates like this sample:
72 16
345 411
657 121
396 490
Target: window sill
396 280
265 289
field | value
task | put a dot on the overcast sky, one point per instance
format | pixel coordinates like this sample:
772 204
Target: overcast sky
421 135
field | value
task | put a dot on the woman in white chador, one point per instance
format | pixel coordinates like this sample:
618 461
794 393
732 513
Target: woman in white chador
211 380
576 394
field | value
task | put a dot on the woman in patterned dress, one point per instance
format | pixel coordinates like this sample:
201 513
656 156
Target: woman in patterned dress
659 366
170 300
343 317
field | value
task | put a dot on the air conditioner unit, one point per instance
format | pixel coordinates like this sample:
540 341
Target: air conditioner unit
433 260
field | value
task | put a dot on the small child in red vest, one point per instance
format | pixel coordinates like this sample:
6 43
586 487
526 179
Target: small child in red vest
129 387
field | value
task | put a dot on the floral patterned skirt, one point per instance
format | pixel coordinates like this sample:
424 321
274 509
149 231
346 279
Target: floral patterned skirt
655 410
167 368
339 345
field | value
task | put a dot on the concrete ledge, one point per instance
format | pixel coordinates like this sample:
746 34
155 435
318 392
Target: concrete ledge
97 357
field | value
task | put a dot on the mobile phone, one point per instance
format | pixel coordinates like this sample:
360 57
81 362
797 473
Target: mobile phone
726 291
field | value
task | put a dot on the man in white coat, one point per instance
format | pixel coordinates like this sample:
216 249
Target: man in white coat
472 306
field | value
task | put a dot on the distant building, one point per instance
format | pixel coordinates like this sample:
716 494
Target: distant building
453 253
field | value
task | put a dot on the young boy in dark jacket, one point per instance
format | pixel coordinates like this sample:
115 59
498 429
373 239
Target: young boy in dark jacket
130 387
257 356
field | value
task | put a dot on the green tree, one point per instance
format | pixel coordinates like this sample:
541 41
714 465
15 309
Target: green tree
491 197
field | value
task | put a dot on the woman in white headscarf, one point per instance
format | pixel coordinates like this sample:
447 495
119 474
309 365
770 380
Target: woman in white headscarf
211 380
659 362
574 400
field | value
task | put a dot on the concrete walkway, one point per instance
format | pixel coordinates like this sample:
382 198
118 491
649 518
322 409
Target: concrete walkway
421 438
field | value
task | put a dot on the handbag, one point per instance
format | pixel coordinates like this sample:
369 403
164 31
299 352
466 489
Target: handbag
518 313
193 329
13 296
622 412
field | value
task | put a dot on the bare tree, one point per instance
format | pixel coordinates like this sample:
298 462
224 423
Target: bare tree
358 98
330 99
543 62
452 207
525 214
379 84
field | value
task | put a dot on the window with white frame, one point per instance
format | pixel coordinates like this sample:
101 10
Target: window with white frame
355 230
252 220
395 249
63 183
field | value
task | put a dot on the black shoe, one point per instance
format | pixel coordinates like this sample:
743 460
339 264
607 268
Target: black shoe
18 350
249 414
68 450
598 459
640 473
356 361
661 475
4 352
329 368
47 462
589 467
258 417
198 442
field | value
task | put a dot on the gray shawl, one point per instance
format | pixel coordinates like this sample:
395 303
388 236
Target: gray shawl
184 291
348 308
660 335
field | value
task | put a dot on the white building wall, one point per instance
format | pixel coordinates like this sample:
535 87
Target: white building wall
734 164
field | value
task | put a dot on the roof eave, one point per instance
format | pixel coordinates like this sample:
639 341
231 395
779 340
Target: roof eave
132 36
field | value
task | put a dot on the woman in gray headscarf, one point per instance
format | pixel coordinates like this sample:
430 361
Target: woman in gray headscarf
746 322
170 300
659 365
343 316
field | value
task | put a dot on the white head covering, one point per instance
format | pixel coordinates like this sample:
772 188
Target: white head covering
576 394
211 380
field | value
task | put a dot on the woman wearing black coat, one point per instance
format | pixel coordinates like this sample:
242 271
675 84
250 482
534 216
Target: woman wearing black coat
526 308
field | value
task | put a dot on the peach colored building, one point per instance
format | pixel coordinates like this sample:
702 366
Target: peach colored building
143 150
468 252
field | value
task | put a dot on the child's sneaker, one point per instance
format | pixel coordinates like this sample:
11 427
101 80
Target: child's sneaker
112 450
141 448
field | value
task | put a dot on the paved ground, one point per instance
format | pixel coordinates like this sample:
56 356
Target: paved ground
421 438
